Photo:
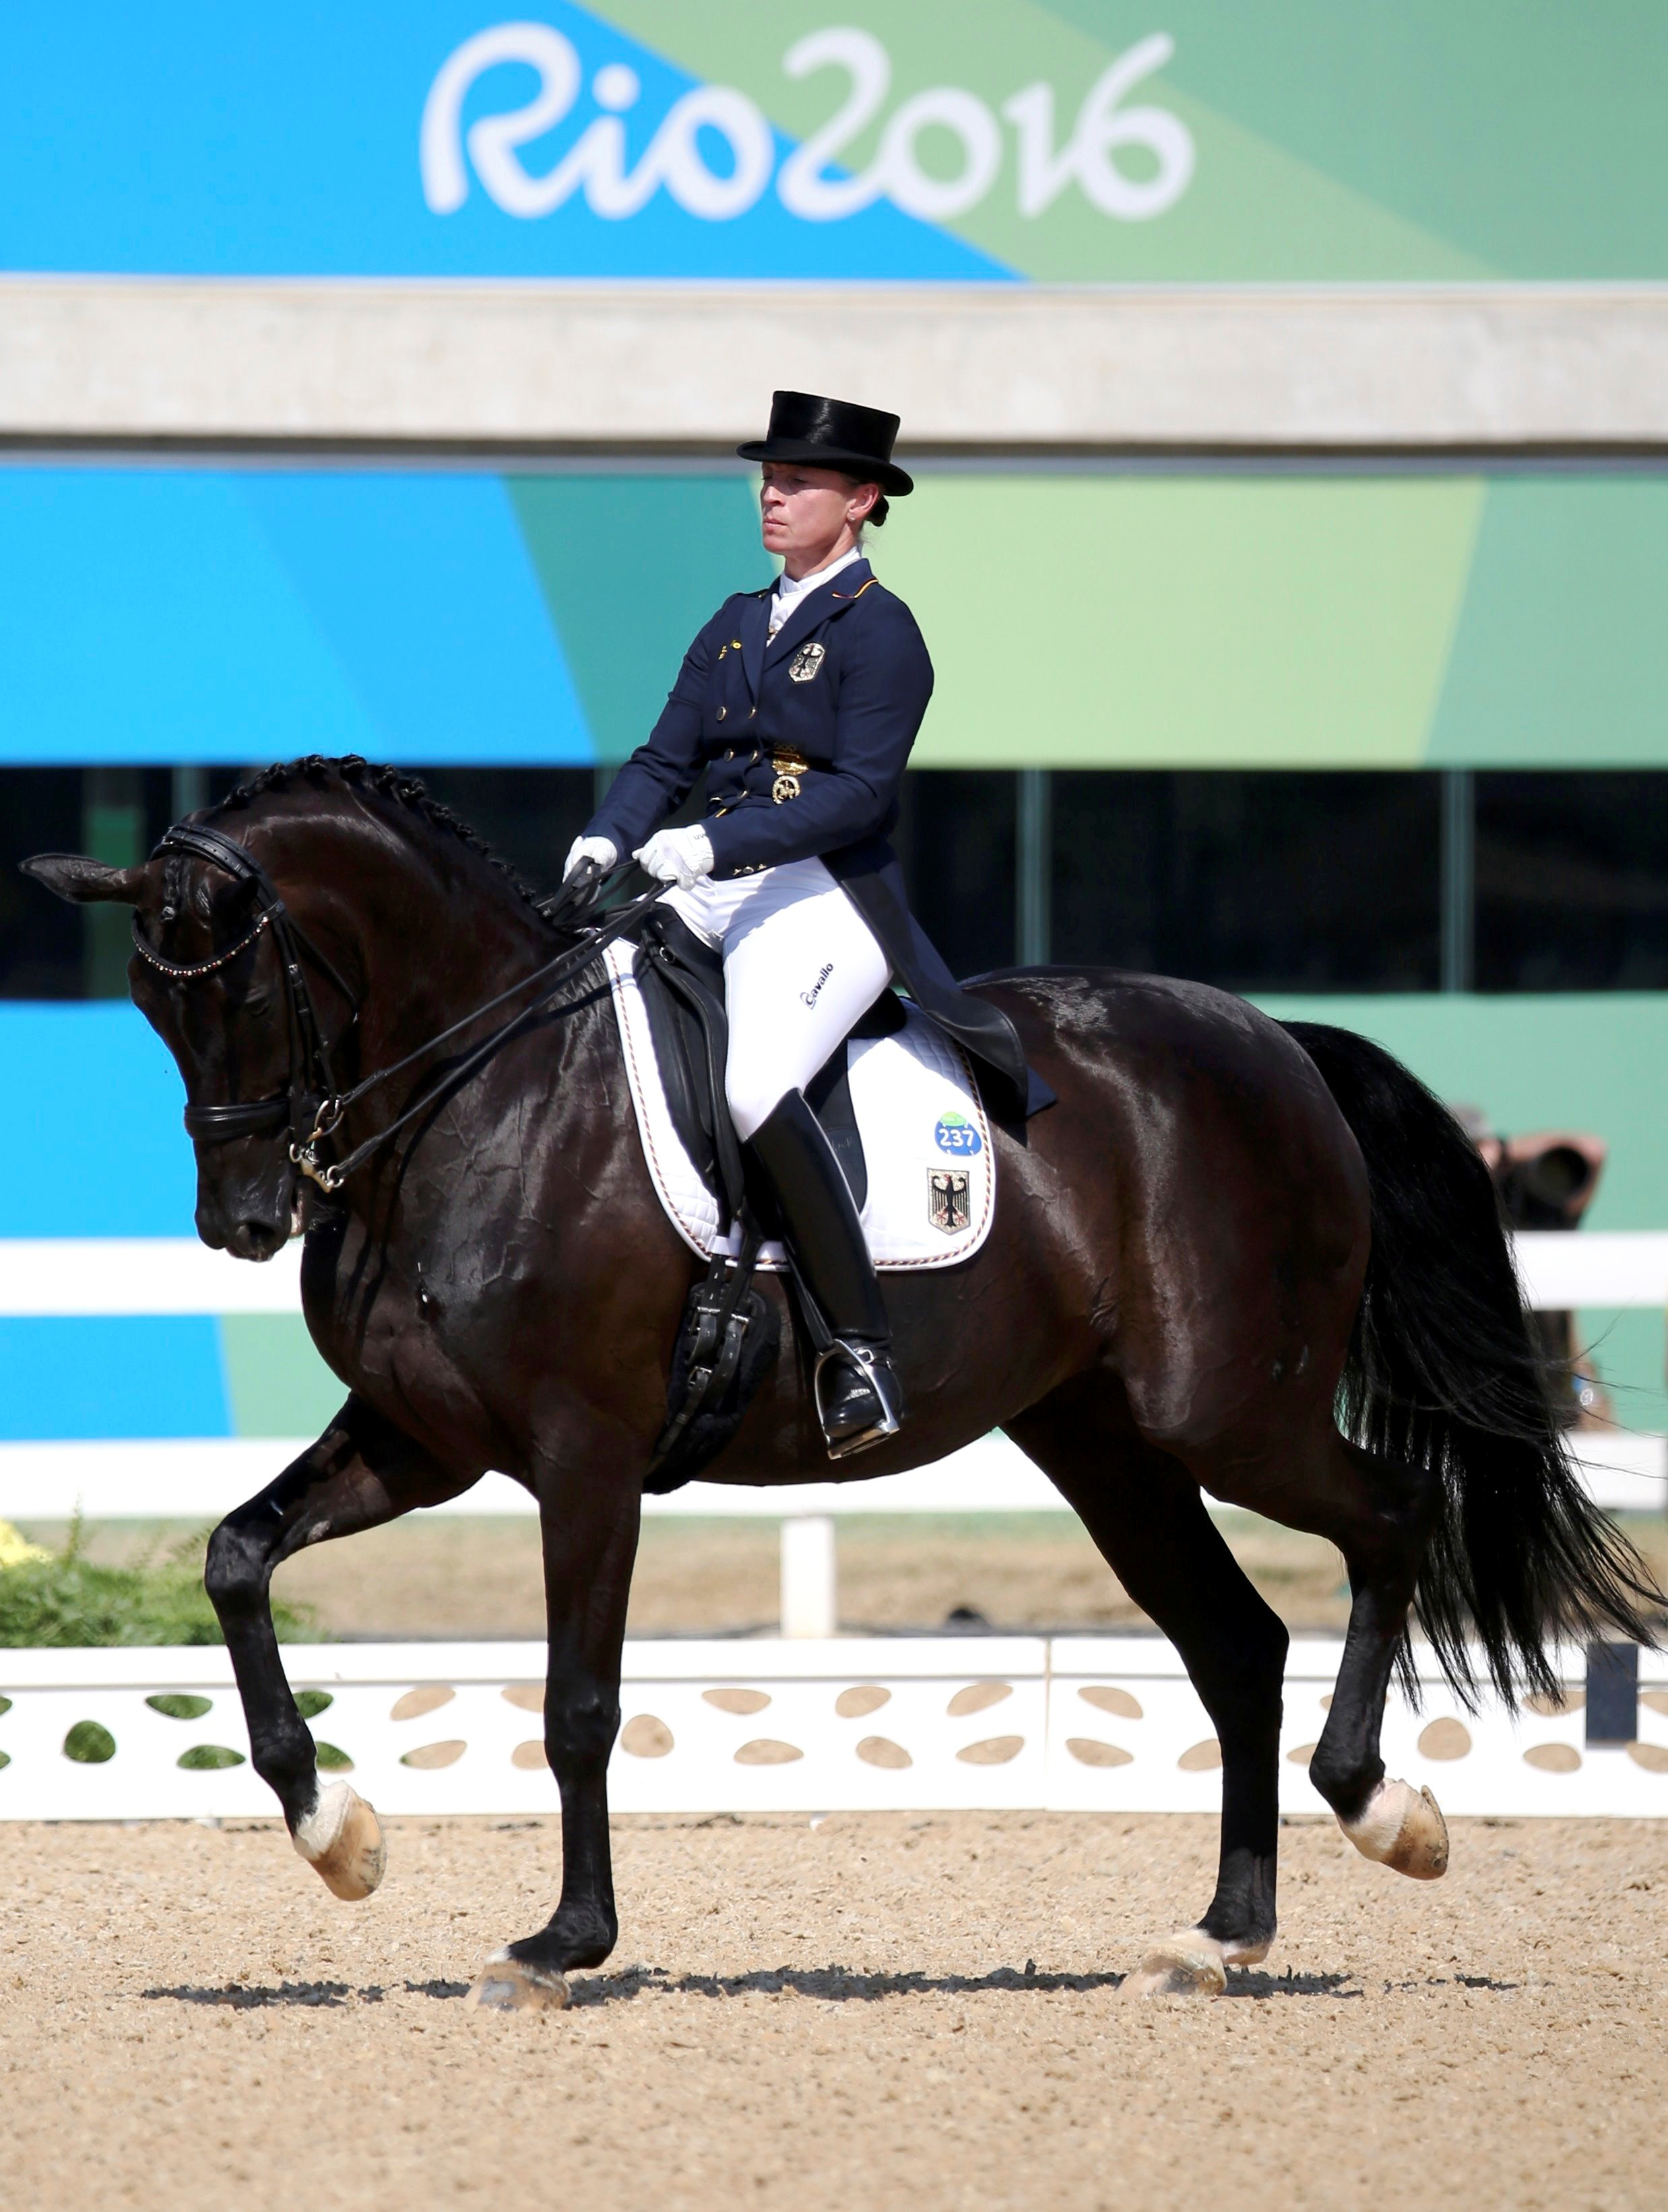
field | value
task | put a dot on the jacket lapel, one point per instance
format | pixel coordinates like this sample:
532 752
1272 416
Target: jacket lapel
830 599
755 627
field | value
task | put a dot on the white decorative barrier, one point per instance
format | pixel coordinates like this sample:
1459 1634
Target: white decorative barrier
82 1275
75 1276
1082 1723
202 1478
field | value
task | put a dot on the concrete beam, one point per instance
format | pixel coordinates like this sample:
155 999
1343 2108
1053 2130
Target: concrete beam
971 368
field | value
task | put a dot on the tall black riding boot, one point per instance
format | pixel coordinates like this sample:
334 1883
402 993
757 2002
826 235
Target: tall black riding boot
858 1401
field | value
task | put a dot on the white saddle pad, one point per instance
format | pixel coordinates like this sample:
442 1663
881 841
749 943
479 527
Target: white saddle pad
932 1174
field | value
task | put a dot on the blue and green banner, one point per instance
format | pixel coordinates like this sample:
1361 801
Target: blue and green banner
1075 619
98 1123
1050 141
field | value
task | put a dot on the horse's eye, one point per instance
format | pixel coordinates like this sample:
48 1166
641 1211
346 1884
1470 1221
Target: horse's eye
170 913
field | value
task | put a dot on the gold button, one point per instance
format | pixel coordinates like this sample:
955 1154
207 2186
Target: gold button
735 645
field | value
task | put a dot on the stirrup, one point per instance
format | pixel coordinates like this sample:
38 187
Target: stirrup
876 1371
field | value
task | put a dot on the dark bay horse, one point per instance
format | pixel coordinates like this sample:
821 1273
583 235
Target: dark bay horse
1256 1261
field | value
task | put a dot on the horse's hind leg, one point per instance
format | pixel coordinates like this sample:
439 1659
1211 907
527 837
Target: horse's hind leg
1149 1523
1378 1514
362 1472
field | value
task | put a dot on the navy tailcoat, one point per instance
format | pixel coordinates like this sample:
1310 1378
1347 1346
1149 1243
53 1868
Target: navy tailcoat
832 703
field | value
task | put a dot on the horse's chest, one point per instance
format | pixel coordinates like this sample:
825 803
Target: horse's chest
401 1338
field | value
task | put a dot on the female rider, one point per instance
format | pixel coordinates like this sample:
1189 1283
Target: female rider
801 703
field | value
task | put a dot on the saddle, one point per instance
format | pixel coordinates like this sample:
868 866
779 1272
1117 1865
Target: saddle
682 981
731 1333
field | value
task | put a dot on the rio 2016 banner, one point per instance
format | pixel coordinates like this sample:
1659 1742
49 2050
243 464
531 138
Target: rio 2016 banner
1079 140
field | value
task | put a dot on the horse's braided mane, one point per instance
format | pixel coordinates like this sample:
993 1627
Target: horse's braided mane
390 783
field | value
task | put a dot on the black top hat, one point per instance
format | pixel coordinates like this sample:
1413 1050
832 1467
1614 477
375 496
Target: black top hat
831 433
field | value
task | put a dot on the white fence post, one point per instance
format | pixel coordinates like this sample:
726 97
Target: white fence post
810 1575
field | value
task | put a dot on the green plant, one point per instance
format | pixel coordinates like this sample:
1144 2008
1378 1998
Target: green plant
65 1598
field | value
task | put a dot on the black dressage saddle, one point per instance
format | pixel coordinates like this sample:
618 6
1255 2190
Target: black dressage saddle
731 1332
682 983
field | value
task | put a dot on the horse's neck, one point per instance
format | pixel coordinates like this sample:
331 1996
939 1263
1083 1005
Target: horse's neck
438 944
433 945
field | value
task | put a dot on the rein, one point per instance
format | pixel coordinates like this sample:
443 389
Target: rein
312 1095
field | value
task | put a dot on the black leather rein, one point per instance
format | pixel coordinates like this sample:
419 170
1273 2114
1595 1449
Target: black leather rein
312 1103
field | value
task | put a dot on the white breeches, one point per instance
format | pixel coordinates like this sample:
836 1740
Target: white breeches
801 965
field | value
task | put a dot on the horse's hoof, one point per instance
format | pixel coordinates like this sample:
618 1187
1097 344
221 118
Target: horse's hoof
1402 1827
1189 1965
1246 1950
342 1837
507 1984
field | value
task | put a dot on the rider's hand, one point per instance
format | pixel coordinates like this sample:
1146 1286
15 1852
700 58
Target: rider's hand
599 849
677 856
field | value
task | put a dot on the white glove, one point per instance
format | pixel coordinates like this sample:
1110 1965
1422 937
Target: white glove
599 849
677 856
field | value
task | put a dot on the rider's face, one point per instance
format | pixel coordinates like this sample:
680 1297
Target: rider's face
809 515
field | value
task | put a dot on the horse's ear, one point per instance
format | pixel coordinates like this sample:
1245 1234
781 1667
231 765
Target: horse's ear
75 876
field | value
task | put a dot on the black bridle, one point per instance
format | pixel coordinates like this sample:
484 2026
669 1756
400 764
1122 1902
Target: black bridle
312 1076
312 1100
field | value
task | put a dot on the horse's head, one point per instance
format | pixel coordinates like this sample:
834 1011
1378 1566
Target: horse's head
208 973
264 927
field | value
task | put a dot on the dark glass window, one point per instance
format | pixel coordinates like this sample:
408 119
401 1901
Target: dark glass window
529 816
1572 881
1257 881
51 951
1261 881
955 838
40 937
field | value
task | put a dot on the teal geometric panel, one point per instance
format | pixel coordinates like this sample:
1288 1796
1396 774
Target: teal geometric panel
211 614
1561 656
631 567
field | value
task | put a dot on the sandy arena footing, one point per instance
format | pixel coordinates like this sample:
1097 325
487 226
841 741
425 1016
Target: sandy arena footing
874 2010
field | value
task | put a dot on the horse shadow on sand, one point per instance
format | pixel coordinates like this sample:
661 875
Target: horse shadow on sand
830 1984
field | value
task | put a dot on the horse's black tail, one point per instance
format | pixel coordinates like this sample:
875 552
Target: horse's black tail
1445 1373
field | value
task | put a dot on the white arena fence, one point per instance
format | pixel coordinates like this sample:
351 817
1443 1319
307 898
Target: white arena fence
1107 1724
200 1479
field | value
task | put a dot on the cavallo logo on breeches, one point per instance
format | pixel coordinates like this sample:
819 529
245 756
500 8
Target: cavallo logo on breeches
815 993
810 183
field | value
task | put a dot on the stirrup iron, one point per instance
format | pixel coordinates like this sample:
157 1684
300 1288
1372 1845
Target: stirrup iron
877 1372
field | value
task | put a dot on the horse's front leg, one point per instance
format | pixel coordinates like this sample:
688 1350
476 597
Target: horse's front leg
362 1472
589 1525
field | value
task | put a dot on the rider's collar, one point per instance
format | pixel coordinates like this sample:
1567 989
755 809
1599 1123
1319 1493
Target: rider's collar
790 590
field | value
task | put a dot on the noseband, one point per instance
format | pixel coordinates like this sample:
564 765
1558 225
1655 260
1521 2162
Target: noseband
312 1078
312 1103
